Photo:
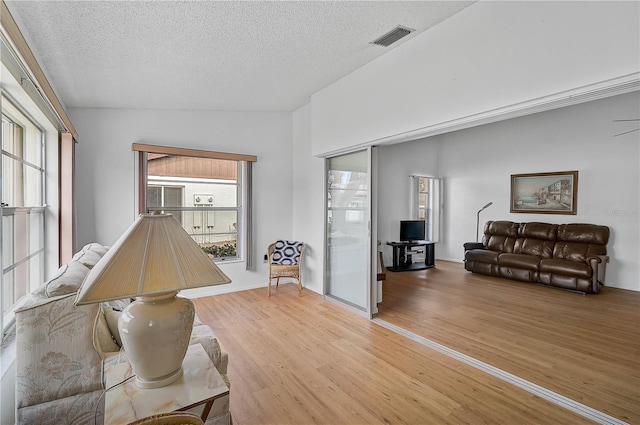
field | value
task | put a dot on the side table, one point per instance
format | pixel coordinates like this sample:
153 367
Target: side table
201 390
402 255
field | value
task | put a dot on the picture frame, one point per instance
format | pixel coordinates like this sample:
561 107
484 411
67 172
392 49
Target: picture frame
545 193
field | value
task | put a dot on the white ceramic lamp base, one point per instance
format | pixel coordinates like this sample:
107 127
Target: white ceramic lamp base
155 332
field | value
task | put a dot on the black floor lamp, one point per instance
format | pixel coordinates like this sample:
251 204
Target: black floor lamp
478 220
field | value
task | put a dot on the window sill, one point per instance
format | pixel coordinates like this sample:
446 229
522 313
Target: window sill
228 261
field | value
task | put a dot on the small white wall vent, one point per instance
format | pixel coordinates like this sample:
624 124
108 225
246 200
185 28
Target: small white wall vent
392 36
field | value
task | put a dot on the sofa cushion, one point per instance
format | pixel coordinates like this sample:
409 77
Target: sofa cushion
103 340
88 258
537 247
500 236
583 233
519 261
572 251
500 243
565 267
67 280
501 228
90 254
537 230
577 242
483 255
107 334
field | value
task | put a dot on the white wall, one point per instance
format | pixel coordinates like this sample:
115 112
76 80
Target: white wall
308 200
491 55
476 165
488 56
105 163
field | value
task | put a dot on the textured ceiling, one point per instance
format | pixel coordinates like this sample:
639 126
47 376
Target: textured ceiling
210 55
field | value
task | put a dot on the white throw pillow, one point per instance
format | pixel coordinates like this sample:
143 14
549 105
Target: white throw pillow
90 254
67 280
88 258
104 340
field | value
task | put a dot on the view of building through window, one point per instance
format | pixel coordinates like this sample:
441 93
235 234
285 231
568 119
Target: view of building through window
203 194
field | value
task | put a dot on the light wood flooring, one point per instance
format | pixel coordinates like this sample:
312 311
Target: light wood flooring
303 360
585 347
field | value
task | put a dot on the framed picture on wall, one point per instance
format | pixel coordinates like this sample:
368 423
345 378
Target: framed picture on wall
545 193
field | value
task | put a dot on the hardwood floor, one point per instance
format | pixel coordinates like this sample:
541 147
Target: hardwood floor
303 360
586 348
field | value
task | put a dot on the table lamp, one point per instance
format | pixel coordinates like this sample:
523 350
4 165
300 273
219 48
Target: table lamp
153 260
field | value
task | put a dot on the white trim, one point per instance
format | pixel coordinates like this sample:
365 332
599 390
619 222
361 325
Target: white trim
347 306
208 291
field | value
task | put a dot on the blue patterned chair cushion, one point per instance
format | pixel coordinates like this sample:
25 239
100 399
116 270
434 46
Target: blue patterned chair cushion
287 252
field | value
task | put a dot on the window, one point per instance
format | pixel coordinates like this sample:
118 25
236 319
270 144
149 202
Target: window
427 204
164 196
23 208
36 198
207 192
203 194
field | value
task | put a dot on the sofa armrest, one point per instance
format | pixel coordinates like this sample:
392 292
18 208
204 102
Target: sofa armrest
473 245
599 265
56 357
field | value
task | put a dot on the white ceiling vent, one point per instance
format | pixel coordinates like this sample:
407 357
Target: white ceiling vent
392 36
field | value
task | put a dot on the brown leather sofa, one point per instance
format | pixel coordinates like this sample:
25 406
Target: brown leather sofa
568 256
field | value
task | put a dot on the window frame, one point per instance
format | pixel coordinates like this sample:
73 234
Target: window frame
163 207
244 217
431 211
29 258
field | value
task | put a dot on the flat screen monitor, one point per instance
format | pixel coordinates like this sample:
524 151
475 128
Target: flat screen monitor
412 230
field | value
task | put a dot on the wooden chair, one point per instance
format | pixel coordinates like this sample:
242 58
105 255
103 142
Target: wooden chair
284 259
173 418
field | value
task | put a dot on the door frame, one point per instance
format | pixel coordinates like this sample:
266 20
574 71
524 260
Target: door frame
371 289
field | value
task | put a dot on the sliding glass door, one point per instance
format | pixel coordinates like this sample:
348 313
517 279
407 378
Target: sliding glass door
348 230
